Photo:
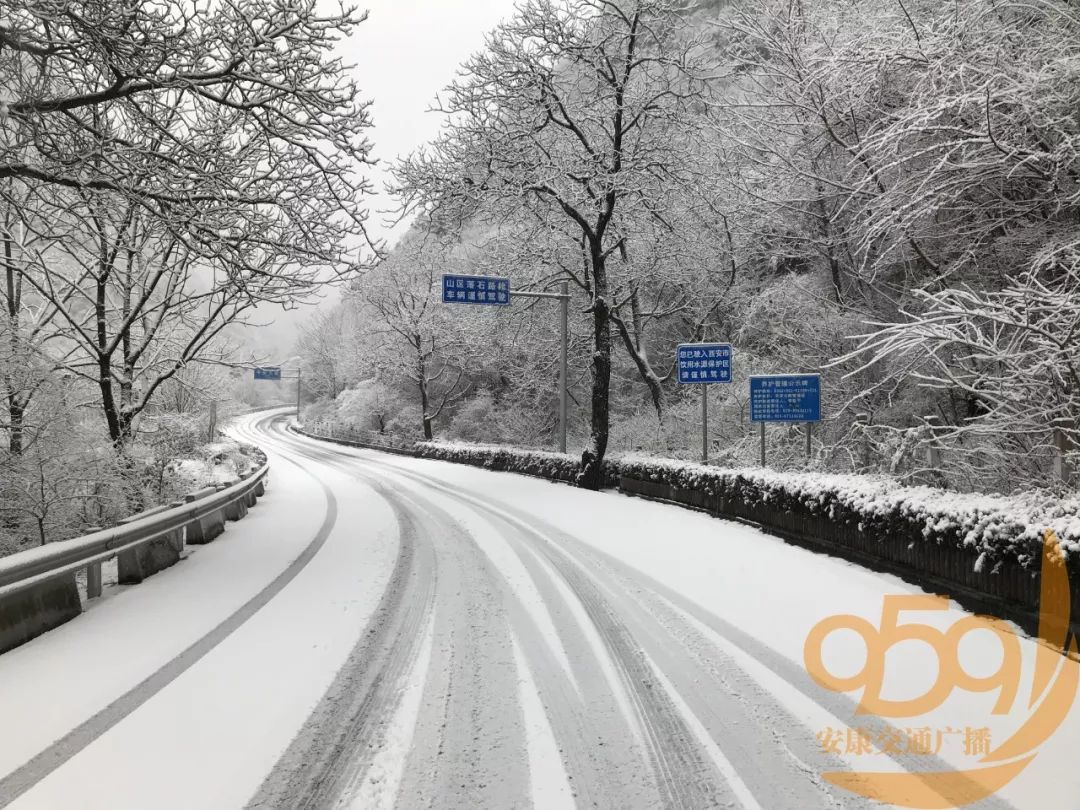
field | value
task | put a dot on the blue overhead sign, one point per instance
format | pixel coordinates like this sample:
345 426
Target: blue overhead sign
268 373
785 398
704 363
475 290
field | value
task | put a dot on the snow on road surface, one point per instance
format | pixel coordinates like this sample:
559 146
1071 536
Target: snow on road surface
384 631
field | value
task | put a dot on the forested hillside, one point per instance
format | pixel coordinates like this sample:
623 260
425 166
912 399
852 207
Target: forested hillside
885 192
165 168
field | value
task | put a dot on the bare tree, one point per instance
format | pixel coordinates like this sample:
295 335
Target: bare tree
191 163
574 114
184 109
413 336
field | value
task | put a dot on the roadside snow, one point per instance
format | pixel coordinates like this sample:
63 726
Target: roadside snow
230 715
776 593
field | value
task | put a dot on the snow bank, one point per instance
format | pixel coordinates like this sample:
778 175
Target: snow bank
220 462
539 463
1000 528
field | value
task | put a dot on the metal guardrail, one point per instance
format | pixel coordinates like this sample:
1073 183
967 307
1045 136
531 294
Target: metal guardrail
24 570
349 434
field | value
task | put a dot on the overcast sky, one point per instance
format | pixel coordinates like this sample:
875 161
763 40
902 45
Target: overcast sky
406 52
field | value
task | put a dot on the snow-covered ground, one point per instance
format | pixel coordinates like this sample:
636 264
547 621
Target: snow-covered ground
429 634
775 593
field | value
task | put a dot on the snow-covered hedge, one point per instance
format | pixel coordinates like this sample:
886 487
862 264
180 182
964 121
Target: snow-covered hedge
999 528
539 463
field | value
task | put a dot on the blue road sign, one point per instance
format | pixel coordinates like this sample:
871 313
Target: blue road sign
268 373
785 398
704 363
475 290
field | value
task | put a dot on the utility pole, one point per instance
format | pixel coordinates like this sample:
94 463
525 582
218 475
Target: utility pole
704 424
299 377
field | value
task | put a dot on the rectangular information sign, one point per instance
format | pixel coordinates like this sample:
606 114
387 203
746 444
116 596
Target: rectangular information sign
785 398
704 363
475 290
268 373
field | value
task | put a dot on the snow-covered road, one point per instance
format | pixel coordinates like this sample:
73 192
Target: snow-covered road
391 632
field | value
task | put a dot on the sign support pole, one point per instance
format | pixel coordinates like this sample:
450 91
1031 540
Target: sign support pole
299 376
762 424
564 318
704 424
809 433
493 290
563 296
211 427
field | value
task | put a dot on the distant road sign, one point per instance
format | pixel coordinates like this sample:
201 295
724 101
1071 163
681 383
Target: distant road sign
785 398
268 373
475 290
704 363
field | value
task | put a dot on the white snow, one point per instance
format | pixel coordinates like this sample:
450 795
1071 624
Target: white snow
547 778
219 727
602 656
212 734
382 780
776 593
491 541
723 765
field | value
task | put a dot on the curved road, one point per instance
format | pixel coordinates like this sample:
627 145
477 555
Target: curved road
391 632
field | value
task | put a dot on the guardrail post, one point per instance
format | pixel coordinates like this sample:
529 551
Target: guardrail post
237 508
202 531
933 448
42 592
179 537
136 564
38 609
93 580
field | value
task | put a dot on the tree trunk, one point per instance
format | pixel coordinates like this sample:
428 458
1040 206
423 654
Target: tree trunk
109 406
592 459
645 370
16 412
428 435
16 400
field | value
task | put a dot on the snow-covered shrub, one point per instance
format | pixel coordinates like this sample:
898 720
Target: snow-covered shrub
371 405
220 462
481 418
999 528
539 463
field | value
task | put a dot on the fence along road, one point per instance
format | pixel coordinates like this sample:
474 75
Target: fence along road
456 638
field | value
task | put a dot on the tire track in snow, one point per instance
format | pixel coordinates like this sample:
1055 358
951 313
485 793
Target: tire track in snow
684 773
787 671
346 730
601 746
19 781
378 786
749 758
469 746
